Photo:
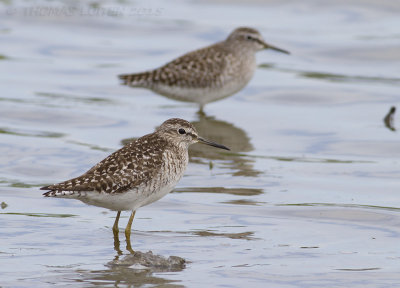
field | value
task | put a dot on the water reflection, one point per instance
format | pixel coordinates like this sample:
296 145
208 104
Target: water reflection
135 269
233 137
123 275
117 244
149 262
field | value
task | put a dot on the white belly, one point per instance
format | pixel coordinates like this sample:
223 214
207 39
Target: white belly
130 200
229 84
155 188
199 95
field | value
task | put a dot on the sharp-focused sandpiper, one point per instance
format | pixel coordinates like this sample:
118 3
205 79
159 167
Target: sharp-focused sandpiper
138 174
207 74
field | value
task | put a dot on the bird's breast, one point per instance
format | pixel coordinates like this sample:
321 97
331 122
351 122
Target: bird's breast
166 177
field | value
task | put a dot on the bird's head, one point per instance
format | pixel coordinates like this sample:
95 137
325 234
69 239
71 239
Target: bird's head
182 133
252 39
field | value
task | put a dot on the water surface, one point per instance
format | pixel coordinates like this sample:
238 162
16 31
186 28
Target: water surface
308 196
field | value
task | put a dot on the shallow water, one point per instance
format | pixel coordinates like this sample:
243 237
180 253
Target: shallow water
308 196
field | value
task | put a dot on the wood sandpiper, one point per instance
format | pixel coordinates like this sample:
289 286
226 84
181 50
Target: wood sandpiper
208 74
138 174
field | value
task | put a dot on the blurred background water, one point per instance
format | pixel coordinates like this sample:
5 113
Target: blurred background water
308 196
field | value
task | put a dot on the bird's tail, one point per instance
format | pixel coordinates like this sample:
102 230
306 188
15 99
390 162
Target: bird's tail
137 80
59 193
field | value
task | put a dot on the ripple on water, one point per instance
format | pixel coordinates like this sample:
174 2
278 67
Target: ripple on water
336 77
30 133
222 190
59 118
72 98
241 235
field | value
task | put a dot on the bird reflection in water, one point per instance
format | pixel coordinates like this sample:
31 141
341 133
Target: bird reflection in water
234 136
135 269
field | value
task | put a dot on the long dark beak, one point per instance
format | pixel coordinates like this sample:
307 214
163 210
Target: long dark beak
203 141
267 46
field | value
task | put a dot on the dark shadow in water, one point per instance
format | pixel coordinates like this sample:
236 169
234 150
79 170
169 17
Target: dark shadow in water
244 202
223 190
4 57
74 98
358 269
37 214
18 184
223 133
348 78
308 159
243 235
30 133
387 208
389 119
246 235
333 77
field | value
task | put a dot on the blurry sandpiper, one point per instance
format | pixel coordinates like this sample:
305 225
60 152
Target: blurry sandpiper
138 174
208 74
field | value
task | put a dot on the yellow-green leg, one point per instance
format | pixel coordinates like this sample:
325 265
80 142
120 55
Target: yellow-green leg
128 233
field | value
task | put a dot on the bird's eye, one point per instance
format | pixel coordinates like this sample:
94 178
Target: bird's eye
181 131
249 37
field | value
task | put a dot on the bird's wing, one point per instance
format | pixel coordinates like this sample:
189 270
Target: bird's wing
125 169
197 69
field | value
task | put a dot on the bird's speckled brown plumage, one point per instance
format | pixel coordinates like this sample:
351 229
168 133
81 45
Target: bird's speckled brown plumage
138 174
129 167
202 68
207 74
